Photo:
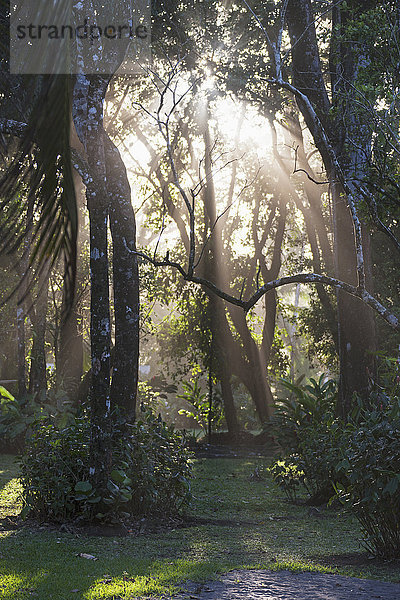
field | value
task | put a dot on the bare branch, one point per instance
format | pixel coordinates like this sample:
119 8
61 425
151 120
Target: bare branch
308 278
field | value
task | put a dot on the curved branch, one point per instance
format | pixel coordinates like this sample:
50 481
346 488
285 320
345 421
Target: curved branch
310 278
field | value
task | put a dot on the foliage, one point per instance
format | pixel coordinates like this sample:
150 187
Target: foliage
200 402
306 427
370 460
306 404
360 458
314 326
160 396
17 416
150 472
288 476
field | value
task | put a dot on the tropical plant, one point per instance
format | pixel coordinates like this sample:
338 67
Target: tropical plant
18 416
307 429
201 410
287 474
306 404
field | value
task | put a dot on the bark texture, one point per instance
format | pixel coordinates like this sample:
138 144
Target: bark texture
125 283
356 330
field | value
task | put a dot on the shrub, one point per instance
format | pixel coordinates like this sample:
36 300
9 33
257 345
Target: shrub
200 403
17 417
360 458
150 473
306 427
306 405
370 460
318 456
288 476
53 463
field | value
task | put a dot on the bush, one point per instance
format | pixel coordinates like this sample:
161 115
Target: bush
370 460
200 403
150 473
359 458
306 405
288 476
17 417
307 429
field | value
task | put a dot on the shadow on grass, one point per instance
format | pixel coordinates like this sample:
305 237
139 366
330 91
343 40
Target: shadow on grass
47 566
237 522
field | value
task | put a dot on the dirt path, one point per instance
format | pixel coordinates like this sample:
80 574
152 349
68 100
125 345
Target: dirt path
284 585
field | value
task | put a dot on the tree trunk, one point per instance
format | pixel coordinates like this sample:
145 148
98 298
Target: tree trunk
100 325
357 334
253 370
223 369
69 363
126 285
214 269
356 330
100 339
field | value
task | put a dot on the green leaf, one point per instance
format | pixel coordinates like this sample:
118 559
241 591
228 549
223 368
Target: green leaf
114 489
83 486
118 476
94 500
6 394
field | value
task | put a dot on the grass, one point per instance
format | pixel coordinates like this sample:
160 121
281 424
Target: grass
249 524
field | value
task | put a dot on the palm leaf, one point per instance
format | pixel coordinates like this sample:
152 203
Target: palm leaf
37 169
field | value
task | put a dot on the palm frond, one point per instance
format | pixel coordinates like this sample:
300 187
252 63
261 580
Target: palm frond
38 170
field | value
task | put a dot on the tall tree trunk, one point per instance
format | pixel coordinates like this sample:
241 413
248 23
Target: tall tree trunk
69 363
357 334
223 369
253 370
100 325
356 331
126 285
100 339
215 272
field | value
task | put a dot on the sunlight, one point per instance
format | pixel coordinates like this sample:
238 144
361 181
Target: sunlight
10 494
237 121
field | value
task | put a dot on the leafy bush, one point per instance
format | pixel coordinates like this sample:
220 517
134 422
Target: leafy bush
306 427
53 463
306 405
370 460
360 458
200 402
150 473
288 476
17 417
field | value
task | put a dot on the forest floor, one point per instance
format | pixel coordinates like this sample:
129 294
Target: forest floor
238 520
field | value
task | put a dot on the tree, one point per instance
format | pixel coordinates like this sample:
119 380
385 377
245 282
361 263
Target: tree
337 133
358 290
99 163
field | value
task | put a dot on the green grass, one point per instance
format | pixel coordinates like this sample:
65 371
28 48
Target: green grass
265 531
